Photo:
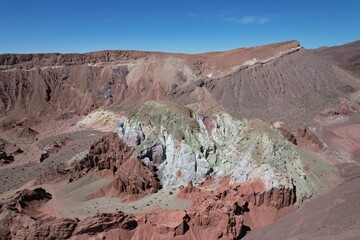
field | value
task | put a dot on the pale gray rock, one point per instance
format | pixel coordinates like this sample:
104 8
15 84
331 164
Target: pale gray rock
130 133
179 165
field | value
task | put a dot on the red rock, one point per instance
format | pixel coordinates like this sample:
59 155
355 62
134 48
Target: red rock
214 214
8 152
188 189
209 124
21 226
167 221
305 136
131 178
134 178
23 198
107 153
105 221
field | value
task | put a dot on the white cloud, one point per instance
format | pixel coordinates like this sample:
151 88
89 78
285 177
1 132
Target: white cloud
227 16
247 20
262 20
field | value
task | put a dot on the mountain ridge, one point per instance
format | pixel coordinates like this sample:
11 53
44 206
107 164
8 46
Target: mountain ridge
252 82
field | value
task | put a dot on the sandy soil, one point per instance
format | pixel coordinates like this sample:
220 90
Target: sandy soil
73 200
73 206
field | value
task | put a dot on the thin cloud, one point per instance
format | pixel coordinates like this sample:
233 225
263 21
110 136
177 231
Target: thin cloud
199 16
262 20
227 16
247 20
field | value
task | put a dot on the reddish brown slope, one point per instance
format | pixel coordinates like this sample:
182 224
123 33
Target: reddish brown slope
331 216
347 56
272 82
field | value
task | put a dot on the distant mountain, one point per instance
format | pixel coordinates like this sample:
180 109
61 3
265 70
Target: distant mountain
346 56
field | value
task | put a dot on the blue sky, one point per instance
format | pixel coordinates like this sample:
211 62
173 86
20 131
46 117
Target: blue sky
28 26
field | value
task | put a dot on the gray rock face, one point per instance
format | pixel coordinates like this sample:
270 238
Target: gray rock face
158 153
155 155
179 165
131 134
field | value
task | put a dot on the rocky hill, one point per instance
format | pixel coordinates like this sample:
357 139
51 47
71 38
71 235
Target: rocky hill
149 145
277 82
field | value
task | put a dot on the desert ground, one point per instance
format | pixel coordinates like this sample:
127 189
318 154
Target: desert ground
251 143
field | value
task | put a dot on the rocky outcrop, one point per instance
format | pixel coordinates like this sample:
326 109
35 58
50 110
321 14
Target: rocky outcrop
23 198
306 136
8 152
102 222
27 133
333 134
54 148
31 60
227 209
286 133
16 222
165 222
161 144
20 226
211 222
251 192
183 146
109 156
215 214
57 145
134 180
157 224
131 177
108 153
